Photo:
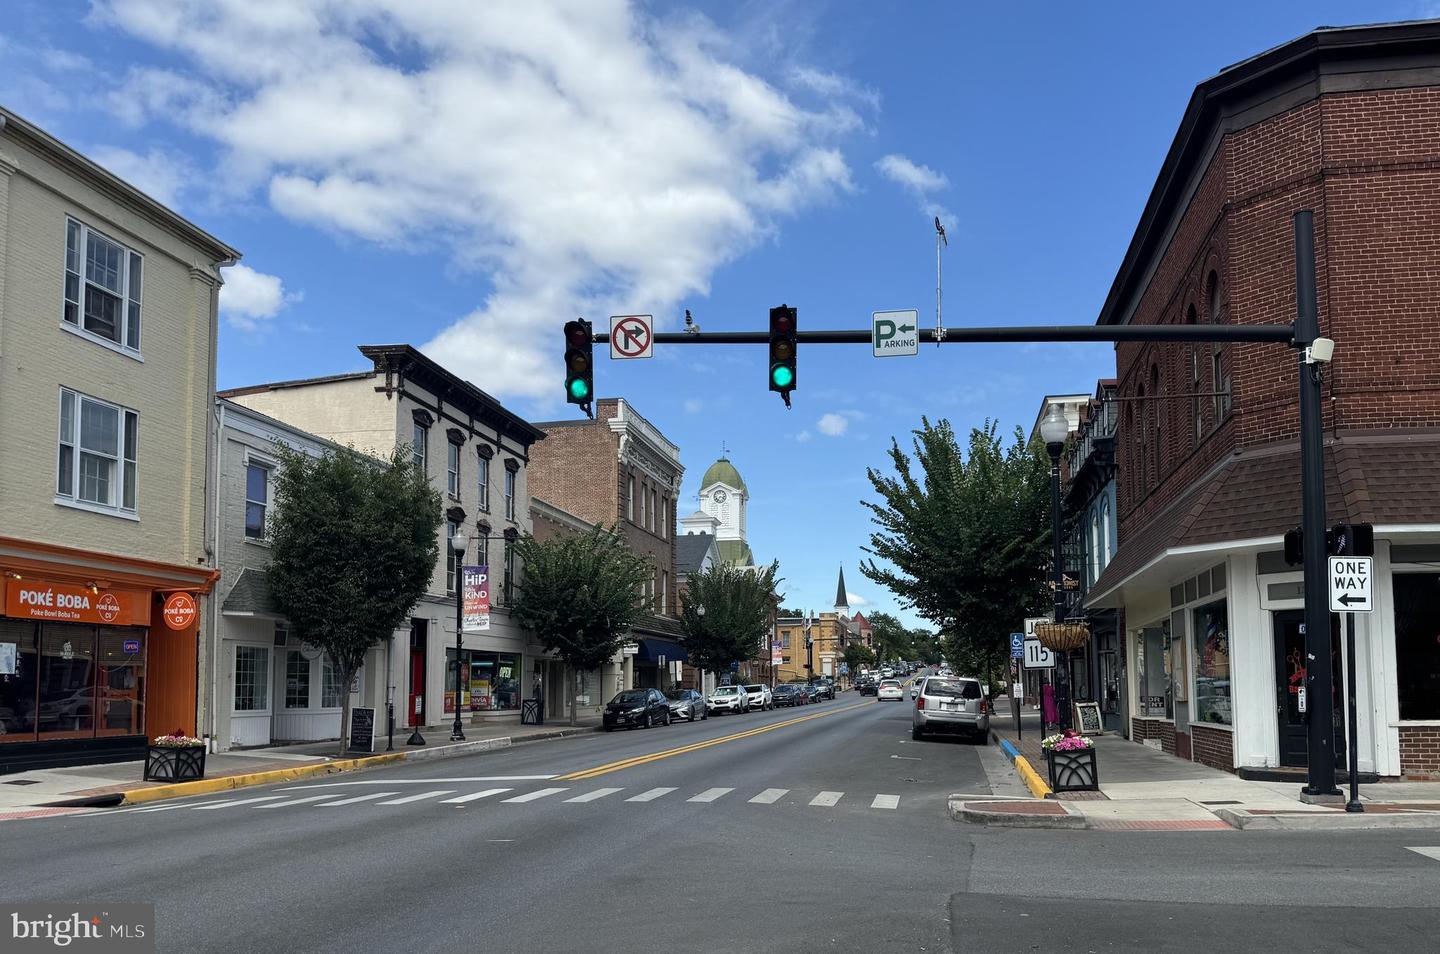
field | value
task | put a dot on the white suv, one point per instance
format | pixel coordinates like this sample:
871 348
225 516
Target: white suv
760 697
729 699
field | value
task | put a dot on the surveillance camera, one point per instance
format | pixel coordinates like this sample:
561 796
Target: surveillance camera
1321 350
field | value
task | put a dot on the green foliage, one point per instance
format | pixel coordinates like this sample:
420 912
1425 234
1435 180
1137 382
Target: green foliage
736 622
580 595
965 541
859 657
353 548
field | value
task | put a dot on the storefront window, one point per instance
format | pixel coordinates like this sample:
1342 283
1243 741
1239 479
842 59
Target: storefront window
1152 649
1211 634
330 684
297 680
489 682
122 681
18 664
67 681
251 684
70 681
1417 644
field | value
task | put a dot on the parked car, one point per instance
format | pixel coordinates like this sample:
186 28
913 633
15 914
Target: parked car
812 692
868 685
760 697
729 699
636 708
886 672
951 705
825 687
790 695
687 704
890 689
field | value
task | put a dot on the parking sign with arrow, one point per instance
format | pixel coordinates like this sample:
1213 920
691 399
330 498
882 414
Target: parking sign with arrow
895 333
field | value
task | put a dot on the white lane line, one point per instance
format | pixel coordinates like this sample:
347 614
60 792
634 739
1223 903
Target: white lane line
1427 852
886 801
770 796
300 801
422 781
417 798
357 798
598 793
651 795
533 796
827 799
128 811
166 808
710 794
240 801
474 796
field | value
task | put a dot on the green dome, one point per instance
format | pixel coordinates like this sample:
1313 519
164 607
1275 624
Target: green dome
723 472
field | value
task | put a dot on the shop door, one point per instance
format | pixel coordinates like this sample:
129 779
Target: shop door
415 710
1290 670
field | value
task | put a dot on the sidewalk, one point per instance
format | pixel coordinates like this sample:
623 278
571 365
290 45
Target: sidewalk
47 791
1145 789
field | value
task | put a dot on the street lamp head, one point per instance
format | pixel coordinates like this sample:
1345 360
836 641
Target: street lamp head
459 542
700 611
1054 428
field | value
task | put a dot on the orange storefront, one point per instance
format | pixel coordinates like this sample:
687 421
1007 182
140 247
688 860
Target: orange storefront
97 652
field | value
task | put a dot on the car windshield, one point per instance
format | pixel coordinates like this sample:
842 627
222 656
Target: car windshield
726 691
678 695
630 698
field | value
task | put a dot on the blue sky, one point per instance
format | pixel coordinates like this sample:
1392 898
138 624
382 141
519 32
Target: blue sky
396 171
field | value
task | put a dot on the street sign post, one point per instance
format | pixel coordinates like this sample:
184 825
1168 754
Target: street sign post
894 333
1037 656
1017 645
1350 585
632 336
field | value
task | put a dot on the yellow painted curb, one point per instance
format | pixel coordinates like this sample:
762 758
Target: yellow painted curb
1031 778
227 782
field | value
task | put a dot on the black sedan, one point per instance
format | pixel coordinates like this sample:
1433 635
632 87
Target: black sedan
636 709
868 686
791 695
687 704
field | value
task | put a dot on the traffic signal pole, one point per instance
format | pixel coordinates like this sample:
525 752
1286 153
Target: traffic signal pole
1281 334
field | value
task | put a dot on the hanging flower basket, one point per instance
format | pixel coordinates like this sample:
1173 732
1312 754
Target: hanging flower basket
1063 637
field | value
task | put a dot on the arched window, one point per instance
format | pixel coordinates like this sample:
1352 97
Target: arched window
1220 402
1197 423
1156 420
1130 476
1104 532
1095 546
1141 482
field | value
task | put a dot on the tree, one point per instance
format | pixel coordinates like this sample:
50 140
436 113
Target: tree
352 549
890 638
580 595
859 657
736 621
966 542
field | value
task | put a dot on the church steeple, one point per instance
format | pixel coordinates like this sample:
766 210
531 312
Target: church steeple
842 603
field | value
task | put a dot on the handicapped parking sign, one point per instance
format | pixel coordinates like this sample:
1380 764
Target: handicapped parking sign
1017 645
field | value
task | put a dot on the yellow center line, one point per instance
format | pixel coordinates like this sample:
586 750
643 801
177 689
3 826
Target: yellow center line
669 753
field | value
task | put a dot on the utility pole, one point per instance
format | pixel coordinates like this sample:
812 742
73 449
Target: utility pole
940 240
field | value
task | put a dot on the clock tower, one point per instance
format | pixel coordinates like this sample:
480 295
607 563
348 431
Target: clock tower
723 499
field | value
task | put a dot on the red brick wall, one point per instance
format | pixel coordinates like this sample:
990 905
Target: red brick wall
1212 747
1368 164
1143 729
1420 751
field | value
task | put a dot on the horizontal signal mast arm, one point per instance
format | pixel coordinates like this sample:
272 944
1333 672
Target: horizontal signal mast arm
1281 334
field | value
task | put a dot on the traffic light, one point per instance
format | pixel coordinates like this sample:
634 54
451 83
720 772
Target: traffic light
782 351
579 363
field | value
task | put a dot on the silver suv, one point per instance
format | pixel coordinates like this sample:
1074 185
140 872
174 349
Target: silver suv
951 705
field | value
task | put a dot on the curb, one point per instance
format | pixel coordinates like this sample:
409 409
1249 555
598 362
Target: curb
227 783
1328 821
1028 775
960 811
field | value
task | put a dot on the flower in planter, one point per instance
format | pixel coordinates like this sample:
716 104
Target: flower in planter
176 740
1067 741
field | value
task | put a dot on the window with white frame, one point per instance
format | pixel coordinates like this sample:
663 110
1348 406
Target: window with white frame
257 499
1104 532
417 446
97 462
509 573
252 665
452 559
509 494
330 689
102 286
630 502
452 469
297 680
483 483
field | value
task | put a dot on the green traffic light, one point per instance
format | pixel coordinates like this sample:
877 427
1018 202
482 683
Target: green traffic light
782 376
579 389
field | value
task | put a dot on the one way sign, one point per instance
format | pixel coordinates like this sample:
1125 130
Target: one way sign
1350 590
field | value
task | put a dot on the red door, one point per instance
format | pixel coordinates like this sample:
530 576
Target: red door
416 708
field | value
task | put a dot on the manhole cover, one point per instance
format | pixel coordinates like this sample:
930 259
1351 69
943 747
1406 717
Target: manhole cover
22 781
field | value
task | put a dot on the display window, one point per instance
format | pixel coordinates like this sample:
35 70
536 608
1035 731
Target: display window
1211 634
489 682
70 681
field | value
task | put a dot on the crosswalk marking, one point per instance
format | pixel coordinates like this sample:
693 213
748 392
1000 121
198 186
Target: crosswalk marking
357 798
826 799
710 794
591 796
770 796
416 798
886 801
651 795
462 799
165 808
300 801
238 801
532 796
1427 852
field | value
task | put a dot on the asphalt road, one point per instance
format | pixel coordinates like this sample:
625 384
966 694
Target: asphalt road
814 829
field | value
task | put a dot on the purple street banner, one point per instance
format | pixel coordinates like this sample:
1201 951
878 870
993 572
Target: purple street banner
475 590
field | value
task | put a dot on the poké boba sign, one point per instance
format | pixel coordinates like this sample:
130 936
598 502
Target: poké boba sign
76 603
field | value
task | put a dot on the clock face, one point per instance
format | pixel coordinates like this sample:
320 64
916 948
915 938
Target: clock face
719 496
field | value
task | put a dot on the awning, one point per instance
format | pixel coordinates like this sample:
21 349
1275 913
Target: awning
652 649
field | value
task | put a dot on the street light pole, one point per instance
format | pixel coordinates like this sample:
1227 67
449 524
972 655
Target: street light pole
1054 428
458 543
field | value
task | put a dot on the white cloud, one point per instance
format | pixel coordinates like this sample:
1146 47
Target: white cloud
832 425
920 181
803 437
590 158
159 174
250 299
855 601
694 405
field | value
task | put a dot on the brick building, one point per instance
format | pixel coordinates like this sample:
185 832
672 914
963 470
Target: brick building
1345 122
620 470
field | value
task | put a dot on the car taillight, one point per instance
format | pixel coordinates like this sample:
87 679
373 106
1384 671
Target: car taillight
983 710
919 702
